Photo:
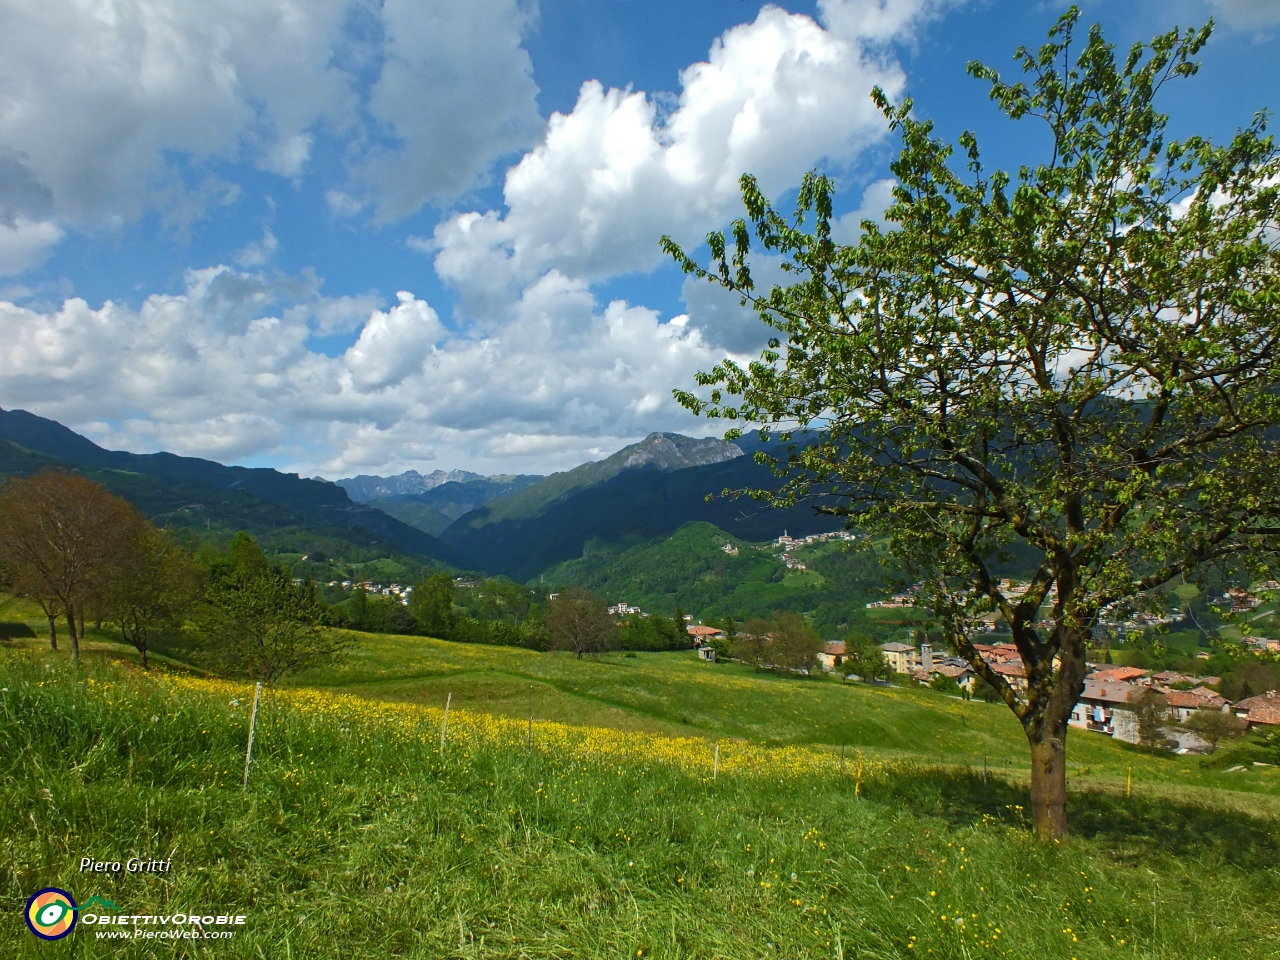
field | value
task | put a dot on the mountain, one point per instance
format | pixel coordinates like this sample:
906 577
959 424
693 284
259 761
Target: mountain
643 491
664 452
435 509
365 488
191 492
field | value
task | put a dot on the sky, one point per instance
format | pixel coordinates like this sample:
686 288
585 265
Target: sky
349 236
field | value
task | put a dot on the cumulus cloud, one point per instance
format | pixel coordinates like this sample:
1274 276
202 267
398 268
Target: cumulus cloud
1249 14
565 376
539 373
456 90
775 97
115 108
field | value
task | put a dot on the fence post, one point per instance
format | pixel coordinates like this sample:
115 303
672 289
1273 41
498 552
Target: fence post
444 726
715 764
253 722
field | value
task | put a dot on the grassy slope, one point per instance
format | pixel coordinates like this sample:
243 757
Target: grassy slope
359 837
677 693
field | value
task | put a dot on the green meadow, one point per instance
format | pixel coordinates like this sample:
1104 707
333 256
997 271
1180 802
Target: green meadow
360 837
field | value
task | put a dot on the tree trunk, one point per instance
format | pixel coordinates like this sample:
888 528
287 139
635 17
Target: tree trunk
53 632
143 650
1049 786
71 627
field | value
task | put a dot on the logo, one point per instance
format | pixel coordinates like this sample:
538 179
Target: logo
98 902
51 913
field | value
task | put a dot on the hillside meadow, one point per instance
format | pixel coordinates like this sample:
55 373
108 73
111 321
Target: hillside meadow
359 836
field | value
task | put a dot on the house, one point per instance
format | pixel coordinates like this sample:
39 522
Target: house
1169 677
831 655
702 636
902 658
952 667
1119 675
1104 708
707 653
1260 710
1183 703
1014 673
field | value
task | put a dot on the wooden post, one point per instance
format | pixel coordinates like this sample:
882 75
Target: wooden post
528 738
444 726
842 759
984 771
715 764
253 722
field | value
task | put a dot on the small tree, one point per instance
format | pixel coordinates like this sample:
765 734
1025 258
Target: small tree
863 657
1076 361
152 588
61 534
265 626
431 604
579 621
1213 726
796 644
754 645
1151 710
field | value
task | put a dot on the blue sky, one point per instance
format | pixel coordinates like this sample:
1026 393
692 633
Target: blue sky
342 237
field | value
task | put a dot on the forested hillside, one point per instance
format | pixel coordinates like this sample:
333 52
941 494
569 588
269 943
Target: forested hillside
208 499
691 568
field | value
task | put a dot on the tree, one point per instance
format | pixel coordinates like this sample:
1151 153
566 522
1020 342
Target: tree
863 657
1076 361
265 626
579 621
431 604
796 644
1151 710
682 641
60 533
1214 726
151 588
754 645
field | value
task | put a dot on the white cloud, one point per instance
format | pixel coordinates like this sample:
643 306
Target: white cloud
221 370
1249 14
775 97
25 243
117 107
455 92
876 199
258 252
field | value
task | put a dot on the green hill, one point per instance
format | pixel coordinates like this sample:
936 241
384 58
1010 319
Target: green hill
690 568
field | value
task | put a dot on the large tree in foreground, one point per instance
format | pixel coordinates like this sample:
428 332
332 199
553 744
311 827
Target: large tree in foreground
1077 360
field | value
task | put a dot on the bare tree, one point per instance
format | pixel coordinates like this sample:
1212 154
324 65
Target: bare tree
60 533
579 621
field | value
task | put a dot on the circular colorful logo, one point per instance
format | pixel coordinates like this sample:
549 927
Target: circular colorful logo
51 913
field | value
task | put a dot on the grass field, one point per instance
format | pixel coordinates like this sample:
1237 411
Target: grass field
360 837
